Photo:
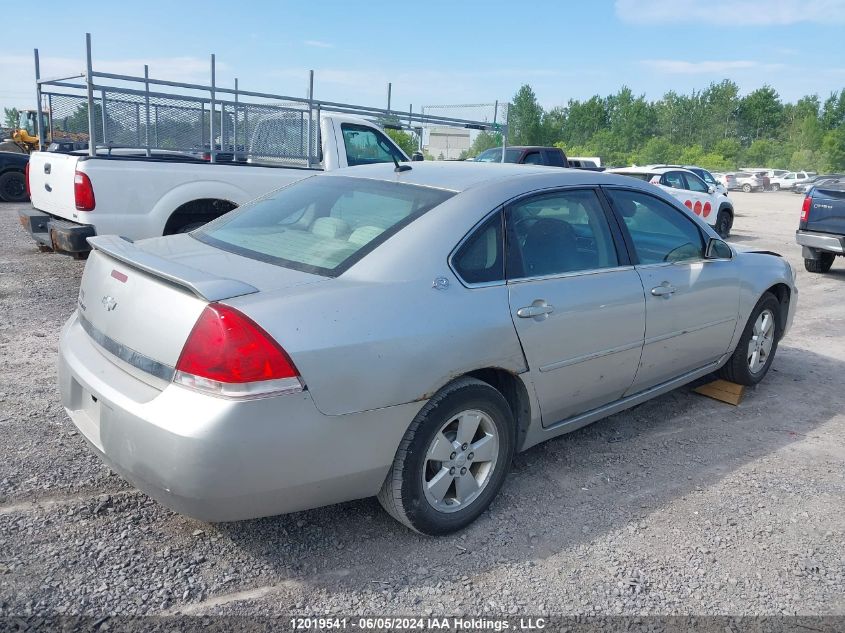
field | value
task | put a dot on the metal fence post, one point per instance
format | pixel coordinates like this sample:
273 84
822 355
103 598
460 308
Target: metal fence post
50 117
212 152
105 124
89 81
235 124
147 108
389 90
310 115
39 129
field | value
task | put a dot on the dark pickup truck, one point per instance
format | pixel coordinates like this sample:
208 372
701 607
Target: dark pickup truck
821 232
525 155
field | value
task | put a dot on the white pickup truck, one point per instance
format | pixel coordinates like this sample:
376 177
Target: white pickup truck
124 192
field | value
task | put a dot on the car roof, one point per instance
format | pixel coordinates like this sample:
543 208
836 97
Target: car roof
459 176
647 169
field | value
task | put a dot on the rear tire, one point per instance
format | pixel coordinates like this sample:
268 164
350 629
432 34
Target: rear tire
761 336
13 187
437 484
775 187
820 265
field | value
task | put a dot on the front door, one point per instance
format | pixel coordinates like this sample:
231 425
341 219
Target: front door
692 303
576 301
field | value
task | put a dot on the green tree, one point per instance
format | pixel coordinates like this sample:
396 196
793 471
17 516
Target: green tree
525 118
833 149
405 140
760 113
10 117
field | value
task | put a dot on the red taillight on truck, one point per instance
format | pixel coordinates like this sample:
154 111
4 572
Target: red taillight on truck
83 192
228 354
26 178
805 208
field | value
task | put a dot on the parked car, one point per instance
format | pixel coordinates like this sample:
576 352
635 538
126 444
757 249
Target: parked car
748 181
821 231
373 332
13 166
728 181
790 179
706 176
121 191
804 187
525 155
701 199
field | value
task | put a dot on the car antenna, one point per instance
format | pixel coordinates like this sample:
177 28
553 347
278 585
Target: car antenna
399 168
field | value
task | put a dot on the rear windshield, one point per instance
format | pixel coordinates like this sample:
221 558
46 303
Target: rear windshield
322 224
495 155
638 176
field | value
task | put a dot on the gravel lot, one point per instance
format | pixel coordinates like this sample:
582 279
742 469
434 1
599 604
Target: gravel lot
682 505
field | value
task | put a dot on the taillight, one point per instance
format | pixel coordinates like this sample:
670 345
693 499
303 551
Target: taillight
228 354
805 208
26 178
83 192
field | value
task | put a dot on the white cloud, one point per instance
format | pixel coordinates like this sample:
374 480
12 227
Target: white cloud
318 44
735 12
680 67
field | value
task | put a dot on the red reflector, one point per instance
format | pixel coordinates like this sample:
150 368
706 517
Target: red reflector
26 177
83 192
227 346
805 208
119 276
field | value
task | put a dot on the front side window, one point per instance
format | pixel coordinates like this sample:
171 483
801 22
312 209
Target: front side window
694 183
322 224
481 258
532 158
558 233
365 146
660 232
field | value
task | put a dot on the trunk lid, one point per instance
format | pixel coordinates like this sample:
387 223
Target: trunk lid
827 209
51 184
139 302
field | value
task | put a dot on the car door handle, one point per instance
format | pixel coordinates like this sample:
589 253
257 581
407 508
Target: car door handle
536 310
663 290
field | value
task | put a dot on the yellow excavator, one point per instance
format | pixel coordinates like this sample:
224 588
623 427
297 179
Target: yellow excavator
23 138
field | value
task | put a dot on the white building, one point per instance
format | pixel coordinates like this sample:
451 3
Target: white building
447 143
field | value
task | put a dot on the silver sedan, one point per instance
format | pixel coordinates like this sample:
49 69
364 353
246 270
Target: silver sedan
402 334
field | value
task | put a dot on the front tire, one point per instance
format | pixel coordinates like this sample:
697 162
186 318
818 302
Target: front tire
724 222
758 344
452 460
747 188
820 265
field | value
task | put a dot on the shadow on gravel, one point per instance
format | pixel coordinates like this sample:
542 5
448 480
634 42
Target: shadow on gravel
560 494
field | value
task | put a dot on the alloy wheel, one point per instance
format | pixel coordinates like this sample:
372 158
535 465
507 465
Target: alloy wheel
762 339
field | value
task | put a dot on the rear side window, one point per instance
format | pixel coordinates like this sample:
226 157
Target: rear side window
674 179
532 158
365 146
555 159
481 258
322 224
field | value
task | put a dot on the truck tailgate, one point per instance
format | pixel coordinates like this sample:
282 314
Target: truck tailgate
51 185
827 213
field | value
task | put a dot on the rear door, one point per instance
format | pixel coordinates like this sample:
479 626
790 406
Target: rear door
576 301
691 303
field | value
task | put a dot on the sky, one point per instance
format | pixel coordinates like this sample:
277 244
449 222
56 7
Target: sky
441 52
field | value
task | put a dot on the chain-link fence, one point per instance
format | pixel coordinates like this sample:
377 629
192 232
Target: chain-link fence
449 142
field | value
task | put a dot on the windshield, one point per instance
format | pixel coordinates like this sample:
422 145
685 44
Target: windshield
495 156
638 175
322 224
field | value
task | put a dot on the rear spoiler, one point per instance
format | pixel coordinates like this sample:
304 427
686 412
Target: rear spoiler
203 285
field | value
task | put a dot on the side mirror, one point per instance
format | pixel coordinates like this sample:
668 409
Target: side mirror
417 156
711 189
718 249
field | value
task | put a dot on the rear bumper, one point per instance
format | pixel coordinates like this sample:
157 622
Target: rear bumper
60 235
821 241
223 460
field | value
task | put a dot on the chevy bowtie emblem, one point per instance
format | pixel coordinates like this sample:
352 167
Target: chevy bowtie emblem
109 303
